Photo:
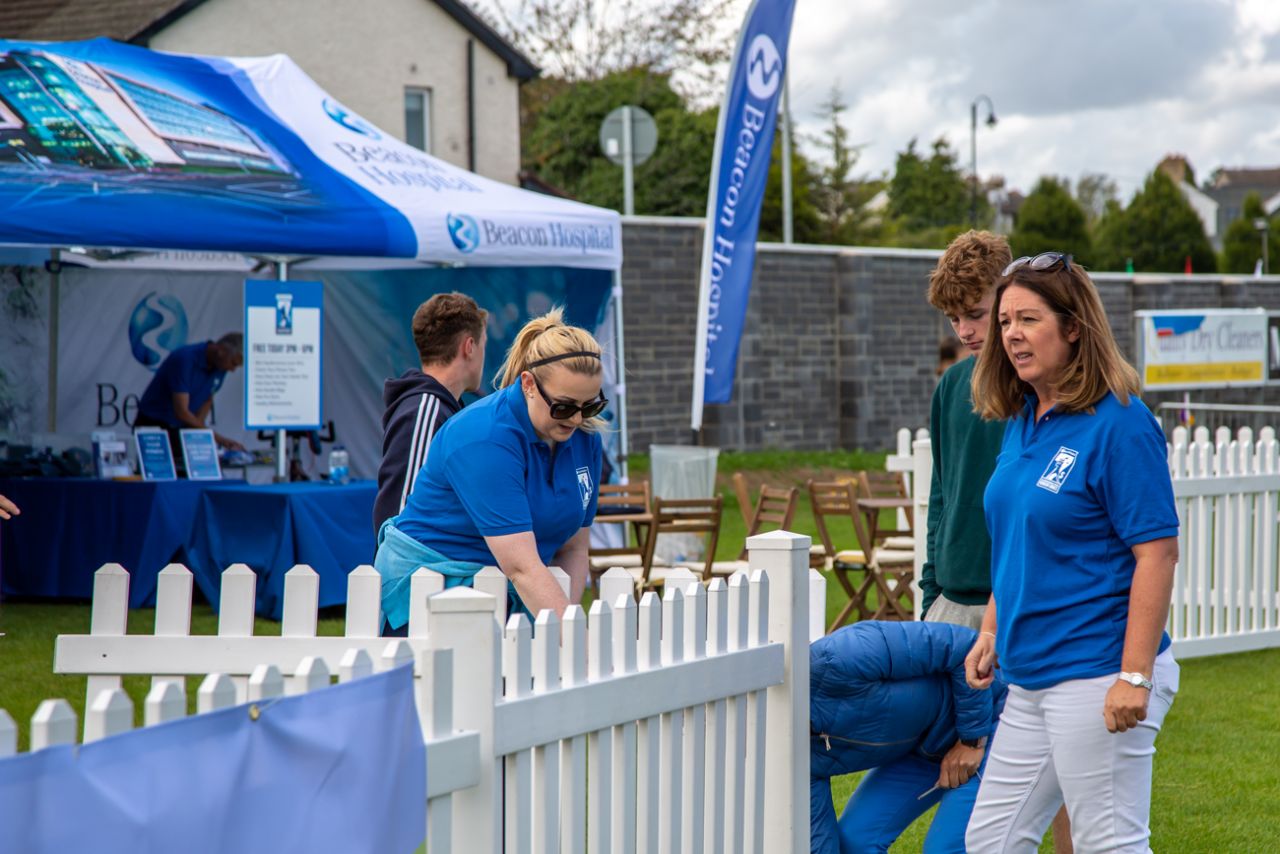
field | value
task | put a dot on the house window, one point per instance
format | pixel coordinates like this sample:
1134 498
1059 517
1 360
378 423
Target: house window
417 118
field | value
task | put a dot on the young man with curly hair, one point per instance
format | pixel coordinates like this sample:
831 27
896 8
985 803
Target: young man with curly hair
956 580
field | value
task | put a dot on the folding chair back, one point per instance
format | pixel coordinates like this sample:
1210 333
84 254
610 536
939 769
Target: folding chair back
685 516
623 498
622 503
888 484
829 499
773 511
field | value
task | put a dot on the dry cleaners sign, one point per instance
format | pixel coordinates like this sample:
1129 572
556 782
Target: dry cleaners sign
1203 348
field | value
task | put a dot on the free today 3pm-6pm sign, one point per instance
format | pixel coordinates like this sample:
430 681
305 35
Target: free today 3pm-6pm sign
282 354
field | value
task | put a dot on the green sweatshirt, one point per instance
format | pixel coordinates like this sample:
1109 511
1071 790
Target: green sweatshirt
958 561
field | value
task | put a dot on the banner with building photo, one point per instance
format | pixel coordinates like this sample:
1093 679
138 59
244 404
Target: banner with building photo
104 144
1203 348
117 326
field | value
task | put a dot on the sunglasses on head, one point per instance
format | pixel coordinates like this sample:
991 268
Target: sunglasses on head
1039 263
561 411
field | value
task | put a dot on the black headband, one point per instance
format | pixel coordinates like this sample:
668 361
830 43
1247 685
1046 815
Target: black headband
575 354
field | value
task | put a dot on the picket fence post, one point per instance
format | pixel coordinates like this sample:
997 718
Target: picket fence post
462 619
784 557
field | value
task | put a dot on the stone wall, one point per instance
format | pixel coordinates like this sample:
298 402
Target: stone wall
839 347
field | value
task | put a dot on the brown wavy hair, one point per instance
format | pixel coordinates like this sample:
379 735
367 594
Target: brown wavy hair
967 270
1095 367
442 323
547 336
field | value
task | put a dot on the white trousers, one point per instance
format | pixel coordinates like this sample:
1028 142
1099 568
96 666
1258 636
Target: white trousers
1052 746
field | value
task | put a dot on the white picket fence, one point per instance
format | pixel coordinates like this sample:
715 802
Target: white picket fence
111 711
672 725
1226 595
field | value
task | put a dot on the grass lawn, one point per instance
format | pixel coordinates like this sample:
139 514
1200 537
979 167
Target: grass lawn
1217 781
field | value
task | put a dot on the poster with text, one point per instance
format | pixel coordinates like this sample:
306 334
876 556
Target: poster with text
282 383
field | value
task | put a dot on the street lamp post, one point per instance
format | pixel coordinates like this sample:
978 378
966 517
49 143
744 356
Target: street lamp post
973 152
1263 226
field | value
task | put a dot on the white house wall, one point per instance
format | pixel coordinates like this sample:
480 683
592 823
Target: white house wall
365 55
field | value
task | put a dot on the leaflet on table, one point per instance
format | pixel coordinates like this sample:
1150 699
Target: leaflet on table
110 455
200 454
155 455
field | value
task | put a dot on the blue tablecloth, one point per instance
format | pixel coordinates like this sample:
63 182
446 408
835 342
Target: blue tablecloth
273 527
69 527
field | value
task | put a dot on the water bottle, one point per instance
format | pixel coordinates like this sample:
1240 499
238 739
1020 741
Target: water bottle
339 465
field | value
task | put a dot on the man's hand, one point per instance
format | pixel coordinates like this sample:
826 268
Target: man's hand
229 444
8 509
959 765
980 663
1124 706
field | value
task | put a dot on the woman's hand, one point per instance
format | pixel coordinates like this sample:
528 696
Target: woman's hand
1124 706
980 663
959 765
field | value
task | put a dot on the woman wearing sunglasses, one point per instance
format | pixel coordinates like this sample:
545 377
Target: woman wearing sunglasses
511 480
1083 545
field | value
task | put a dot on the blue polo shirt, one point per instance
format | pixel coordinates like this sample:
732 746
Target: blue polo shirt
489 474
1070 497
186 369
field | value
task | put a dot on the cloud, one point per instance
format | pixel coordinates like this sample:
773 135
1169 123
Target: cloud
1079 85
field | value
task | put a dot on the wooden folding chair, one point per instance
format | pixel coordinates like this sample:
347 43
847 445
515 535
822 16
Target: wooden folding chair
625 504
838 500
889 484
681 516
891 570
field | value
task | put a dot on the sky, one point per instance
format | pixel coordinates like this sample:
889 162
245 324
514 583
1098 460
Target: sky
1078 86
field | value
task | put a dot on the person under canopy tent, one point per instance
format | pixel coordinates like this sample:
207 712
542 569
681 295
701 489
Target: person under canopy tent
180 395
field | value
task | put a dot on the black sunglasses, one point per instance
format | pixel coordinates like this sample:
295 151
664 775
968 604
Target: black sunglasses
561 411
1041 262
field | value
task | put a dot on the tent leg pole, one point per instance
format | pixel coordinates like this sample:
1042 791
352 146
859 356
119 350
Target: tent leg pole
55 308
282 439
620 362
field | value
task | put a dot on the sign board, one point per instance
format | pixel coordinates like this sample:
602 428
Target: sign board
155 455
282 382
1203 348
200 454
613 135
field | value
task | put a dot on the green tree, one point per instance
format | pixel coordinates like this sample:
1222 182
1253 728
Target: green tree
930 193
1093 191
1158 231
1242 242
806 222
562 144
840 196
1050 220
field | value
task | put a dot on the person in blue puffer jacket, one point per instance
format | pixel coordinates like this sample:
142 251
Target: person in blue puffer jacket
892 698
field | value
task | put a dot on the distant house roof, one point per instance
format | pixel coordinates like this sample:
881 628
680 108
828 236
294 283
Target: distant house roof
137 21
1252 178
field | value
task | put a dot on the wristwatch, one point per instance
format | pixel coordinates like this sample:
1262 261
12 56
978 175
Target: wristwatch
1137 680
974 742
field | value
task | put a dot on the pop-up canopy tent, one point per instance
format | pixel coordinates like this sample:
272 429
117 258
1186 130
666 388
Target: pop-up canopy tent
108 149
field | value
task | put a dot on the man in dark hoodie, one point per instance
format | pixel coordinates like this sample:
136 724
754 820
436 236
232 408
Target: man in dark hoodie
449 331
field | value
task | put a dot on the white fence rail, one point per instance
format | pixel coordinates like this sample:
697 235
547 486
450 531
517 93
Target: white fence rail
1226 595
638 727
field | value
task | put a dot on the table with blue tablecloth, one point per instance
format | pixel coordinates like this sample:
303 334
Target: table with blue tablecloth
275 526
70 527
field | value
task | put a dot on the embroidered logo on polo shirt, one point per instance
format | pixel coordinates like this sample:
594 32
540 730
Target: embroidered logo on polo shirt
584 486
1058 470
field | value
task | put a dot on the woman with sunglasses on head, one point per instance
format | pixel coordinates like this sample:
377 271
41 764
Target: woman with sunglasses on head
1084 542
511 480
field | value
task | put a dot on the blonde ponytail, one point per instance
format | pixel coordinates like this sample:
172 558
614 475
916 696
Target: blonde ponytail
543 338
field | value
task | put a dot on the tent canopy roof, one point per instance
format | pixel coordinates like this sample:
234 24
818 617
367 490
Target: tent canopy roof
114 145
